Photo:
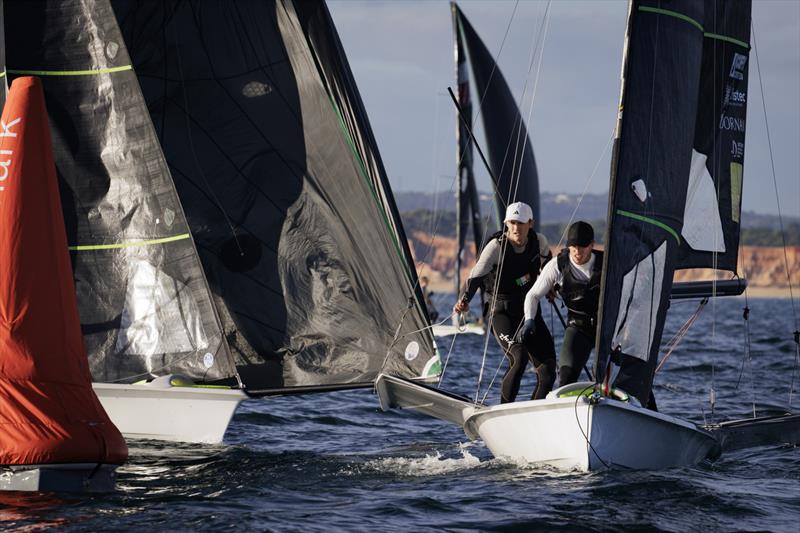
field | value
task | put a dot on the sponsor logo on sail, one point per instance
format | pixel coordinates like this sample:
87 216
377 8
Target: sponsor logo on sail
5 154
737 149
737 66
731 123
734 97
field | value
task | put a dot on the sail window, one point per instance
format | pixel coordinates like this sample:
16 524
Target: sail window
160 315
702 226
254 89
639 302
639 188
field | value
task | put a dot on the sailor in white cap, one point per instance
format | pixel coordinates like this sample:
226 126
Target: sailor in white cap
517 253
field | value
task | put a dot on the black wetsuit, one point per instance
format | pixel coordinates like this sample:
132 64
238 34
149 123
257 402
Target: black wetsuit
519 272
582 298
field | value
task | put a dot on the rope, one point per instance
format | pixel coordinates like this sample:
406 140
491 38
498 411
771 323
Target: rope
681 333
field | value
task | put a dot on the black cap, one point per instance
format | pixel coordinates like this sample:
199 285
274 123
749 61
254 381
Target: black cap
580 234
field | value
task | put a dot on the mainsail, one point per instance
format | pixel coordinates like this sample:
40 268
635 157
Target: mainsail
467 202
275 163
144 305
676 126
510 150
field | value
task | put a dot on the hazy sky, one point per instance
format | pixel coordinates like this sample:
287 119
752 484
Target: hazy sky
401 53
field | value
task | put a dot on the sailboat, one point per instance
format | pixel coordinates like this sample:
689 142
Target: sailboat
232 230
511 163
674 202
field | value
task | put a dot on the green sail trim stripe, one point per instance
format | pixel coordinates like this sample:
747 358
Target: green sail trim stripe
92 72
694 23
2 74
650 221
119 245
727 39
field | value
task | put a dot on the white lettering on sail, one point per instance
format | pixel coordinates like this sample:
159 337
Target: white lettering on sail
6 128
737 150
731 123
733 97
5 162
737 66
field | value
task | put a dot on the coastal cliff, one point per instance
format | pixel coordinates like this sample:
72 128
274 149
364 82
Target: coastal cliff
763 266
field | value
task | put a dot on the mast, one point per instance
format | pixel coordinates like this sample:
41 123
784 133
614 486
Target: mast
661 89
467 201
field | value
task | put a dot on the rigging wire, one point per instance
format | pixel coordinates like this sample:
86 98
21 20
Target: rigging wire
796 333
514 185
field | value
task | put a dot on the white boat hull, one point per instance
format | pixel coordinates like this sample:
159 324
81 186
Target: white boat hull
177 414
568 433
72 477
578 434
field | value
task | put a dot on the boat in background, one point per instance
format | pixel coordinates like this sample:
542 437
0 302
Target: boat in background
232 230
674 202
511 163
56 435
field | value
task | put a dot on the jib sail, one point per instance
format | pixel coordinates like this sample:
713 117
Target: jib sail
284 190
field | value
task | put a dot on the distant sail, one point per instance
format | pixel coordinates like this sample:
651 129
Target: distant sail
284 190
510 150
144 304
662 94
48 411
467 202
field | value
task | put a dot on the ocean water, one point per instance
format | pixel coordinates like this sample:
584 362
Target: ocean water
336 462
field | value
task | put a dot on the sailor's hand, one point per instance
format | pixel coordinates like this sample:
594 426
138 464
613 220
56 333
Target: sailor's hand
551 295
528 329
461 306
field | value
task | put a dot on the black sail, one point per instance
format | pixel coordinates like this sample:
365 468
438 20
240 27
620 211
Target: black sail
711 221
510 150
284 189
144 304
661 96
467 201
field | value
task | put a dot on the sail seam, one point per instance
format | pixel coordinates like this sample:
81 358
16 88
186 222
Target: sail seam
92 72
362 167
652 221
694 23
119 245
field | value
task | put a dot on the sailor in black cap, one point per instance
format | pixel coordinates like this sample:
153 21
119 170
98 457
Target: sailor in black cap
575 273
507 268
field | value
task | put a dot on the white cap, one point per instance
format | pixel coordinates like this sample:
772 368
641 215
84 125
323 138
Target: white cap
519 211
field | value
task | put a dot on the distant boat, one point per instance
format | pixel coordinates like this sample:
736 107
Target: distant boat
56 435
674 202
232 230
511 159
